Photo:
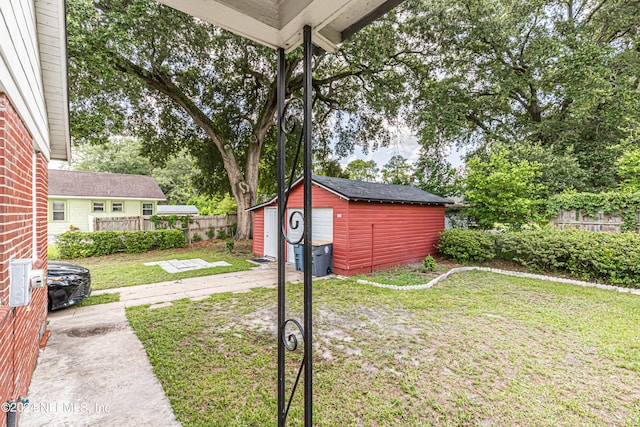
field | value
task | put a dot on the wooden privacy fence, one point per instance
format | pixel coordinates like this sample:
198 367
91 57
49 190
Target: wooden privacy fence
572 219
203 226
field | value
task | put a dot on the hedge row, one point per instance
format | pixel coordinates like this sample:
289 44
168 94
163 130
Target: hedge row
76 244
608 257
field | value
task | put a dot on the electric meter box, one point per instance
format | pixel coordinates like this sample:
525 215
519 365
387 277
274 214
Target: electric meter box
37 278
20 285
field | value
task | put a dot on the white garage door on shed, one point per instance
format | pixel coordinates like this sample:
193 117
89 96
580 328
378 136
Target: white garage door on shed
271 232
322 227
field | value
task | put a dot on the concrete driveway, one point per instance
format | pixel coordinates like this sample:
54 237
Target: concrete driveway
95 372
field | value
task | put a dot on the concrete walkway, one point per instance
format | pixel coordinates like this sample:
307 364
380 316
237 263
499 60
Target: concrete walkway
95 372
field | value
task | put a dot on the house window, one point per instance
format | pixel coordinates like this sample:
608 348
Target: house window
58 211
117 207
147 209
98 206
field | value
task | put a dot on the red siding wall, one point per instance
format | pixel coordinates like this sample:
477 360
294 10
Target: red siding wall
369 236
387 234
322 198
257 246
19 327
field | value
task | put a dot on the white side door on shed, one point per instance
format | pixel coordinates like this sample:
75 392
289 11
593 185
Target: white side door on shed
271 232
322 227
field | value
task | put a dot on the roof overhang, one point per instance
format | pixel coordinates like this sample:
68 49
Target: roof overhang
52 42
274 199
295 183
279 23
100 197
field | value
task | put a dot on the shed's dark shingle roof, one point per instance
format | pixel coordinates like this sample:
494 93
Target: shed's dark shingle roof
360 190
371 191
107 185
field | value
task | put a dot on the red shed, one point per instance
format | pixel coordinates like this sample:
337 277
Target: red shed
372 226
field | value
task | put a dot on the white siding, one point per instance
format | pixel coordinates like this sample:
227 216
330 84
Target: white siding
36 85
322 228
20 75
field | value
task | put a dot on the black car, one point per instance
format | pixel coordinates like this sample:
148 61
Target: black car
68 284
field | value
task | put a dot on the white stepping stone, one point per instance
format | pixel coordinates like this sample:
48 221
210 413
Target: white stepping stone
178 266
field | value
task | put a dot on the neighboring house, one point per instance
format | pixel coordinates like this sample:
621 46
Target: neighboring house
179 210
372 226
454 214
75 198
34 129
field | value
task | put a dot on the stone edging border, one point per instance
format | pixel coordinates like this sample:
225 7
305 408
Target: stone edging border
505 272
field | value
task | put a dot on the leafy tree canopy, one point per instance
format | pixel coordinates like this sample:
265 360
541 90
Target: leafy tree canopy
362 170
500 191
562 76
437 176
558 171
213 205
329 167
137 67
397 171
122 155
629 168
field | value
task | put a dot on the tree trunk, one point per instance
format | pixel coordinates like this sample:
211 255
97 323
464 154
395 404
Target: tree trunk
244 187
245 195
246 191
245 223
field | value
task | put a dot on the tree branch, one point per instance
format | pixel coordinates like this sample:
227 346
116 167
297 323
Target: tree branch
594 11
163 84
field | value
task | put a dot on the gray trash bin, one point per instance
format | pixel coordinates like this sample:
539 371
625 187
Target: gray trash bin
322 257
298 251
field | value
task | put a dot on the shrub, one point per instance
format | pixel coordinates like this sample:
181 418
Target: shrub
196 238
75 244
467 245
230 245
609 257
71 245
137 241
211 233
222 234
429 263
170 239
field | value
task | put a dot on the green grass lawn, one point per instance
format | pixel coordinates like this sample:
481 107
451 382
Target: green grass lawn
99 299
405 275
477 349
114 271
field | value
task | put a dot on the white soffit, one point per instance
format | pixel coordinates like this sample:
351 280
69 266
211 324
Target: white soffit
279 23
52 36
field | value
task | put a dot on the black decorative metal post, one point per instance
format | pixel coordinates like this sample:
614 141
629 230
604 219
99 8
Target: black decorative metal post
308 296
289 341
281 244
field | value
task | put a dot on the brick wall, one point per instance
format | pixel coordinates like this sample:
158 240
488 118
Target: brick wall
20 327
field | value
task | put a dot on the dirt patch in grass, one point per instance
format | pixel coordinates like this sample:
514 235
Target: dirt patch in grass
478 349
